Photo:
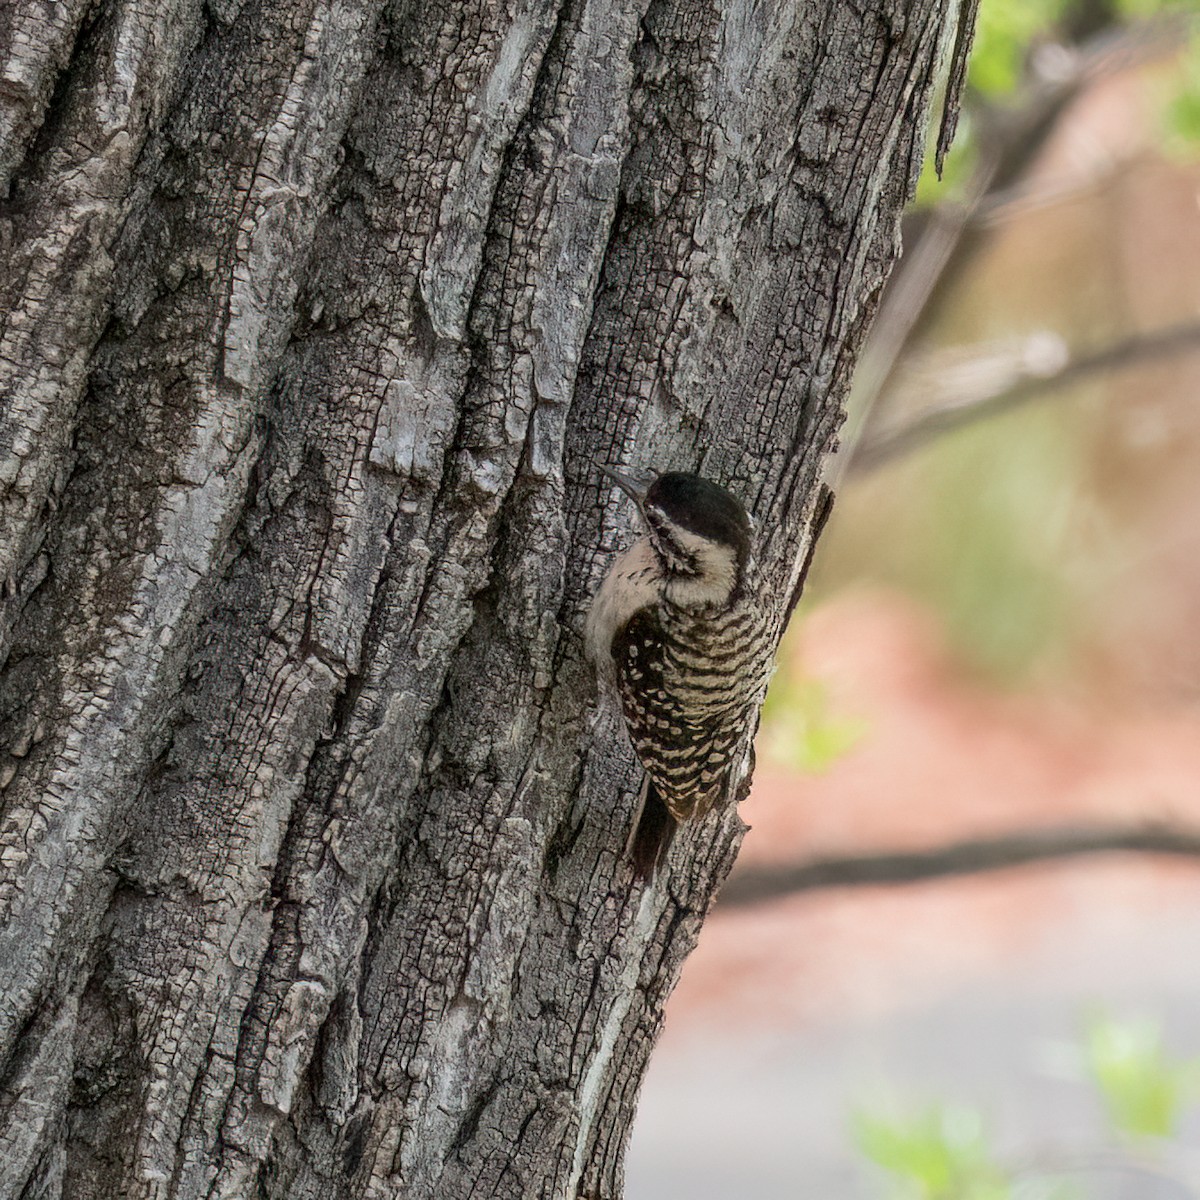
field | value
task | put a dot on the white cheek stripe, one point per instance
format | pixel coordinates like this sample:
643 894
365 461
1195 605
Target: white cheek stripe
716 573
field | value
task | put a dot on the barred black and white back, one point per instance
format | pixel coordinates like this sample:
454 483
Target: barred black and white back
678 626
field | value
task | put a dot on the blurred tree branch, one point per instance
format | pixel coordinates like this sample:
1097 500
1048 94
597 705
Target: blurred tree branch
755 884
1026 377
942 240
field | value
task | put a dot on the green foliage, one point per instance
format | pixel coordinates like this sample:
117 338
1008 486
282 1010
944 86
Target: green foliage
1004 33
1144 1093
800 728
1180 101
1183 115
940 1153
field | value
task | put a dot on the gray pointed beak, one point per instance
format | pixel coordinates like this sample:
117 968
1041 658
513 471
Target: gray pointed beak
634 484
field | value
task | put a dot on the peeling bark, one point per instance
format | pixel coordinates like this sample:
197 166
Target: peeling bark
312 320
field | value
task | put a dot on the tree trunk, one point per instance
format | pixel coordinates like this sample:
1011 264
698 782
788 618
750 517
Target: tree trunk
313 319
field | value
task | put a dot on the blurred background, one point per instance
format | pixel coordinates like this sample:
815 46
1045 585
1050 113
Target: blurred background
998 645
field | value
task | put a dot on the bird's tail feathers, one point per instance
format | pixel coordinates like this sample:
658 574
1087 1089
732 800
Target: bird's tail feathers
653 830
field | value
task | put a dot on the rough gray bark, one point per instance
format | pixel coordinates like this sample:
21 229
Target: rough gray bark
312 318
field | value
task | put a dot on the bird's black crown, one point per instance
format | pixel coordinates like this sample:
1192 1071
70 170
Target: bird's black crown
703 508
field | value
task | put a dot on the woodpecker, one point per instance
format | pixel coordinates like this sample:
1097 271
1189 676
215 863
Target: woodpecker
678 626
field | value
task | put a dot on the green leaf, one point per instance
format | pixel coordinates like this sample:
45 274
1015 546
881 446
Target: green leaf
940 1153
800 728
1180 104
1143 1092
1004 32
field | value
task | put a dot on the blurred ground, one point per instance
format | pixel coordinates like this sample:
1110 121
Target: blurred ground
790 1014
